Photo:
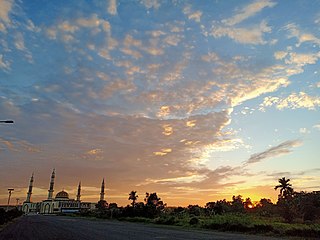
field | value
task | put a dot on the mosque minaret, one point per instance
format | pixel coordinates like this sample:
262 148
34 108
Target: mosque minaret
30 190
102 191
79 192
50 191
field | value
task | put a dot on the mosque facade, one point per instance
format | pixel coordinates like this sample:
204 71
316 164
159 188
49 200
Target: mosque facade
61 203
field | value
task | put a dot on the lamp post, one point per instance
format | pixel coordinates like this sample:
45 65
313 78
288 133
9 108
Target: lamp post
6 121
10 190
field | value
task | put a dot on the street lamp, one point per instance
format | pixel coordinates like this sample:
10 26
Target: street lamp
10 190
6 121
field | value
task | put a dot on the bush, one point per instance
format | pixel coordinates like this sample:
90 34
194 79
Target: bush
194 221
9 215
167 220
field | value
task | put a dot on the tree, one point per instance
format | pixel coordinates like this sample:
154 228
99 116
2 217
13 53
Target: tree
194 210
307 205
210 208
248 203
154 206
286 190
114 210
265 207
102 206
133 196
152 199
285 203
237 204
222 206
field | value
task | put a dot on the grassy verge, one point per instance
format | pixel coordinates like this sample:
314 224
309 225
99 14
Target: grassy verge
237 223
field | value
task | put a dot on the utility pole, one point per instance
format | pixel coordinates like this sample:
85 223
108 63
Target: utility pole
10 190
6 121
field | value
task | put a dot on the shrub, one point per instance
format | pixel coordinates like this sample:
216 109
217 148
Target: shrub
194 221
166 220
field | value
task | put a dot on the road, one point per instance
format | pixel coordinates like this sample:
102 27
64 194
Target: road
39 227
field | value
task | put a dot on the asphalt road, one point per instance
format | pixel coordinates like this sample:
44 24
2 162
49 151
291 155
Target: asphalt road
39 227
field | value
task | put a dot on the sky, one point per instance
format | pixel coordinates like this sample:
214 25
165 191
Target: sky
195 100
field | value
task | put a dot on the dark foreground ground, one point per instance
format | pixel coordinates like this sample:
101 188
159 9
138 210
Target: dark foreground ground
38 227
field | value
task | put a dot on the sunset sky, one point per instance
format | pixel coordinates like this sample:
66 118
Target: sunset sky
194 100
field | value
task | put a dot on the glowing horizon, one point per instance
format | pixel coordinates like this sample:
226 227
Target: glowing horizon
197 101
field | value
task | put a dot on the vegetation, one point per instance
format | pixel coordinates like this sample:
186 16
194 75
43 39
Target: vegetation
133 196
9 215
294 214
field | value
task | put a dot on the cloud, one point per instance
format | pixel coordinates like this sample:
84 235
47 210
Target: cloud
192 15
112 8
94 155
245 34
5 65
19 43
251 35
248 11
67 30
66 26
173 40
18 145
293 101
317 126
164 111
302 37
163 152
281 149
167 129
302 59
304 130
150 3
196 16
280 55
5 9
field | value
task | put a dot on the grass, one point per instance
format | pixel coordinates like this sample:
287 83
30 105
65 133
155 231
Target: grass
243 223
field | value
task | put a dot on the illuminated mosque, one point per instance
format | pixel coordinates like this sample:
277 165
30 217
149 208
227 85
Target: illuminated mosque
61 203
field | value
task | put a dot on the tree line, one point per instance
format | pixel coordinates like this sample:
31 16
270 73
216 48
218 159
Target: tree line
290 205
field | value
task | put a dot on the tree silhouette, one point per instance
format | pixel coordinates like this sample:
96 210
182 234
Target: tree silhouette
154 206
285 199
237 204
133 196
152 199
286 189
265 207
248 203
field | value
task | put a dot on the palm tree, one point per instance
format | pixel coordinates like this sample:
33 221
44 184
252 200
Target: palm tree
286 189
133 197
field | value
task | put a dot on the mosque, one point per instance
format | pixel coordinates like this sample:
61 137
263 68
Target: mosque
61 203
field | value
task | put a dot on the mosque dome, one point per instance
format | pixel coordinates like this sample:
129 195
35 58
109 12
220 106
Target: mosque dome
62 195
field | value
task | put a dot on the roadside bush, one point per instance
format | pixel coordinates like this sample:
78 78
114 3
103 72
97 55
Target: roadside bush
166 220
194 221
9 215
2 216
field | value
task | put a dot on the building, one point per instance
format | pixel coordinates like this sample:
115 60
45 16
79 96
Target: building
61 203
